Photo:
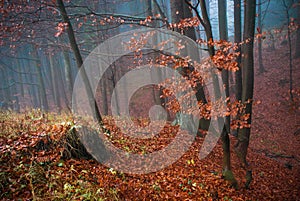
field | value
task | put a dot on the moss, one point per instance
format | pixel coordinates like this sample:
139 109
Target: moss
228 175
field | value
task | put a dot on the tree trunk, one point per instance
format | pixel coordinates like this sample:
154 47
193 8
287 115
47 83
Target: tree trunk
297 52
79 61
237 41
104 94
33 90
6 83
68 74
54 81
186 12
20 77
204 20
248 84
287 15
15 90
42 90
223 31
87 138
62 90
207 26
259 41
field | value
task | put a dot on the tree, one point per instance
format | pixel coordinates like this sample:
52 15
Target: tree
54 80
223 30
248 83
79 61
297 52
246 89
237 41
287 8
205 22
259 41
68 74
181 11
42 89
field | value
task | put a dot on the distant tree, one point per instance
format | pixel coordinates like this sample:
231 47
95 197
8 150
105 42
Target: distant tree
54 80
297 52
68 75
287 8
41 88
259 40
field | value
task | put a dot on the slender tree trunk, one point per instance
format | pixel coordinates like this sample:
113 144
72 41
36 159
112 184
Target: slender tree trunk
62 90
207 26
237 41
115 72
53 70
8 95
156 93
207 8
34 96
68 76
15 91
20 77
287 14
2 89
259 41
104 95
41 88
79 61
297 52
223 32
290 64
248 84
160 11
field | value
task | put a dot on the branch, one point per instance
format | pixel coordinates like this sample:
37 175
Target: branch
196 11
10 68
165 19
14 83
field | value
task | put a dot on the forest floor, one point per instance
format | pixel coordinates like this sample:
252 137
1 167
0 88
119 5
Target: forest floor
31 145
276 119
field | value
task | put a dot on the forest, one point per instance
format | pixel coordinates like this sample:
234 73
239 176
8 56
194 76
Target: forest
150 100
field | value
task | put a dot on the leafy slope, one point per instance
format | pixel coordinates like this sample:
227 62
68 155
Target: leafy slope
31 169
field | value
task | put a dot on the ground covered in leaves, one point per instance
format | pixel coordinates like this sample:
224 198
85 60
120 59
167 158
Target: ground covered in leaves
34 164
